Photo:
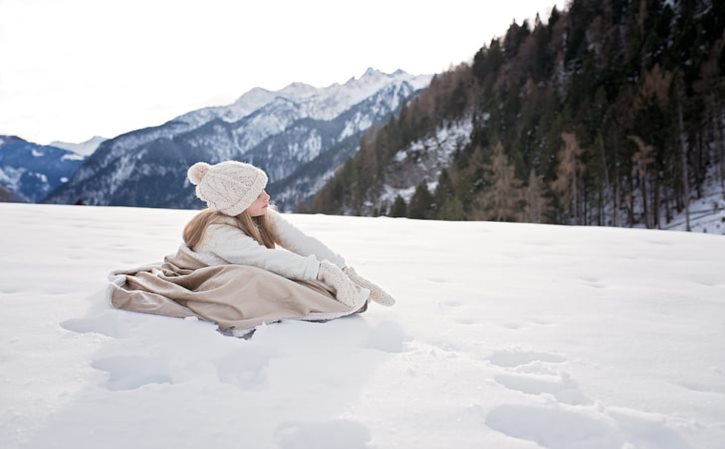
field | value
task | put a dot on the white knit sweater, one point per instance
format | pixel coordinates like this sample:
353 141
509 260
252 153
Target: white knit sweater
298 259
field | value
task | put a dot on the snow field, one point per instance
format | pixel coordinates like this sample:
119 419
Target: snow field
504 335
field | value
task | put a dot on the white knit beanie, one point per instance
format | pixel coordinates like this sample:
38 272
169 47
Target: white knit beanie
229 187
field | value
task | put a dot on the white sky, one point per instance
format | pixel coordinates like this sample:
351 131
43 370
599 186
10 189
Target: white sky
71 69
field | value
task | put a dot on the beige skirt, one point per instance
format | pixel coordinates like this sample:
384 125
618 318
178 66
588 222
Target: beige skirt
235 297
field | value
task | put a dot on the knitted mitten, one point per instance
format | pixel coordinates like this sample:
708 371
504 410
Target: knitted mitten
377 294
345 290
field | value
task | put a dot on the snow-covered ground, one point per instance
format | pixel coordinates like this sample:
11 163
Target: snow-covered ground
707 214
505 336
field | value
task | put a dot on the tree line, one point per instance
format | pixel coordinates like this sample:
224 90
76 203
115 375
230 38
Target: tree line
611 113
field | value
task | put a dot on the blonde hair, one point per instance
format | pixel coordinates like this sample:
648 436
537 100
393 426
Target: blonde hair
257 228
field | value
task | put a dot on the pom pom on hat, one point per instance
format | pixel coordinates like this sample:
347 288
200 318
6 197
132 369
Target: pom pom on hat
229 187
196 172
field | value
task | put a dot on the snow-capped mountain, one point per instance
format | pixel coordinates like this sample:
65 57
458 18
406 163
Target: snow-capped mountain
29 171
85 148
325 146
278 131
323 104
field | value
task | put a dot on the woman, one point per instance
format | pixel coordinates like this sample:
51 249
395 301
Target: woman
242 264
240 227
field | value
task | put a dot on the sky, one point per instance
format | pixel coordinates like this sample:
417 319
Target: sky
72 69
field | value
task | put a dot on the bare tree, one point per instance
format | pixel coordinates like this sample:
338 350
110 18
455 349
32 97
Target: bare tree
502 200
537 205
643 159
570 168
712 88
683 163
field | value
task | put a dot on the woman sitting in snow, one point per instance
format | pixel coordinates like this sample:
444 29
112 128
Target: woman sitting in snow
230 270
240 227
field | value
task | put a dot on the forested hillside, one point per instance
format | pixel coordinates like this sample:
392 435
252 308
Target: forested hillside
610 113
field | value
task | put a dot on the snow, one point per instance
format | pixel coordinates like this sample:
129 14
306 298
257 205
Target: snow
84 148
72 157
11 176
707 214
506 336
431 155
37 153
390 193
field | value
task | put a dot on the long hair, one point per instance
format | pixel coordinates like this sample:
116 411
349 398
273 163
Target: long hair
257 228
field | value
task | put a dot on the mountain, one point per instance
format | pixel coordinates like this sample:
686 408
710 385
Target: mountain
85 148
318 103
318 147
29 171
280 131
610 114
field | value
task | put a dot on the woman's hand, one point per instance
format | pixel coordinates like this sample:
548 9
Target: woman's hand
377 294
346 291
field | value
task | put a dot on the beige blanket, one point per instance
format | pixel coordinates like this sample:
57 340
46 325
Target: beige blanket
235 297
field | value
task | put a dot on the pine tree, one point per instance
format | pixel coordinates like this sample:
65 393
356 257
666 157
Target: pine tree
443 193
421 205
452 209
399 208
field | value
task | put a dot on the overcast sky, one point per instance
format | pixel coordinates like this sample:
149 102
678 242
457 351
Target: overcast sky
71 69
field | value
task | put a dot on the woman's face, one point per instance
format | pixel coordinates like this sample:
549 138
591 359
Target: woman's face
259 206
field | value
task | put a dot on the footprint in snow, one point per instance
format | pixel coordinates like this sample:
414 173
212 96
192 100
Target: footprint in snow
438 280
131 372
514 358
329 434
562 387
558 428
108 323
555 428
245 368
592 281
449 305
387 336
